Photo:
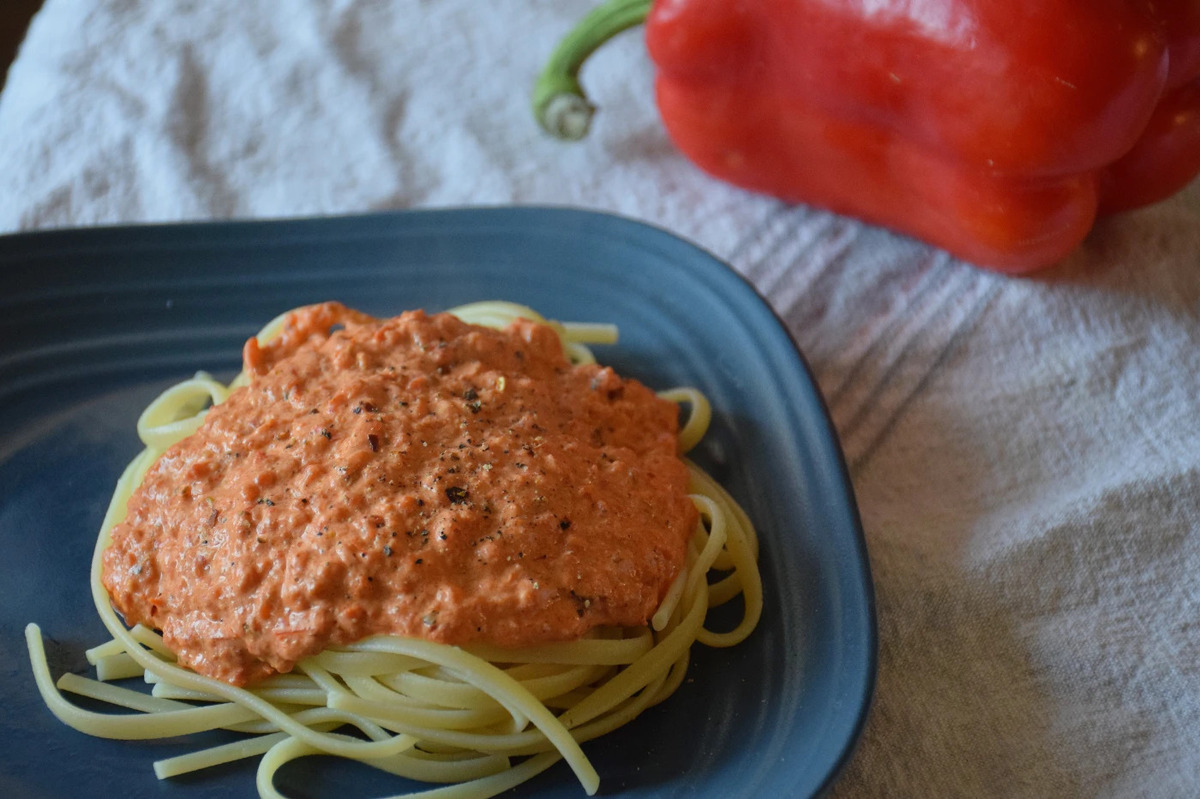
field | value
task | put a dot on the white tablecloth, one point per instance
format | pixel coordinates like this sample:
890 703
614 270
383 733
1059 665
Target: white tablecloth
1025 452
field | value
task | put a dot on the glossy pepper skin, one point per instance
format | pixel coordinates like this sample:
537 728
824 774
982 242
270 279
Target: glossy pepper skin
995 129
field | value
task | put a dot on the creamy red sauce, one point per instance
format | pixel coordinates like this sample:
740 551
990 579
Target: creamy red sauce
415 476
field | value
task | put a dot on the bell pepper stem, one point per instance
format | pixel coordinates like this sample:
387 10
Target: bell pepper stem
559 102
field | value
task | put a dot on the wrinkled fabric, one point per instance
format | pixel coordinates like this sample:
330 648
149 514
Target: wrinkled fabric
1025 452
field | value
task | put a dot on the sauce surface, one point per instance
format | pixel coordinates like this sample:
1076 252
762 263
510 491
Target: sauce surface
414 476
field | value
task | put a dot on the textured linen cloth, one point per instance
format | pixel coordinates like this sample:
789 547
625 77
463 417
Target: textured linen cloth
1025 452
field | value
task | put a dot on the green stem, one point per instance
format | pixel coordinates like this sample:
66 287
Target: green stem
559 102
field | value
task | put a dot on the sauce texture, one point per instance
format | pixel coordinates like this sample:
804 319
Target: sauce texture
415 476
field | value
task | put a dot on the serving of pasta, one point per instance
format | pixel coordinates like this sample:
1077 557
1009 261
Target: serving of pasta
470 716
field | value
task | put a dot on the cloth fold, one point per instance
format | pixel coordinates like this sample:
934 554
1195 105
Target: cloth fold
1024 451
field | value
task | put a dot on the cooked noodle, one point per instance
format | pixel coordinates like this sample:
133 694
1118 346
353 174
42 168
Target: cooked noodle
479 718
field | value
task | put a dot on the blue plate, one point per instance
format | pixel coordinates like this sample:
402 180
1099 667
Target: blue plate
94 323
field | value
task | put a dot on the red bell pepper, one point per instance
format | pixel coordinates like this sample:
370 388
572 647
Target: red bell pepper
995 129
